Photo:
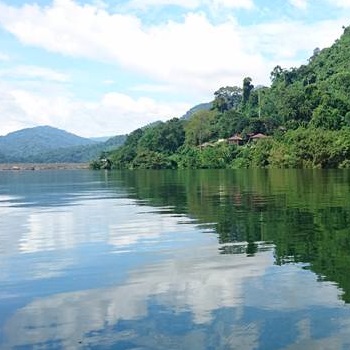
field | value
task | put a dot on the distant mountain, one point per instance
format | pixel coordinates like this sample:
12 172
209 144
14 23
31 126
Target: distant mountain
201 107
48 144
77 154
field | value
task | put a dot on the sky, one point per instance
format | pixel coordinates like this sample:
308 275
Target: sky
106 67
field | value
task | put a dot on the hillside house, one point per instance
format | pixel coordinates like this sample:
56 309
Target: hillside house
235 140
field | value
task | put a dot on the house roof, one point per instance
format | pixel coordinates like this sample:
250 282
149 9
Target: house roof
258 136
235 138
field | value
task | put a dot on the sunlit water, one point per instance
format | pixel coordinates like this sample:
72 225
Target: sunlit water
239 259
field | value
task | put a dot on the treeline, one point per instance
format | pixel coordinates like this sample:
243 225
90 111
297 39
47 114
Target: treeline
305 114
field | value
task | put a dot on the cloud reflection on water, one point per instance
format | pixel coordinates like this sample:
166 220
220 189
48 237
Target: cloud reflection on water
201 285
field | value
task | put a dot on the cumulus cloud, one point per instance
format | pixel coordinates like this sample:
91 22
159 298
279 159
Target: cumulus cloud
114 113
193 52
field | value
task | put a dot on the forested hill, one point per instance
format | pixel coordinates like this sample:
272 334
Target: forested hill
301 120
317 93
48 144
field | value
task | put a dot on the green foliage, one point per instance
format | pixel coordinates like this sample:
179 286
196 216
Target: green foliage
199 128
230 122
151 147
187 157
218 157
165 137
305 113
247 88
147 159
227 98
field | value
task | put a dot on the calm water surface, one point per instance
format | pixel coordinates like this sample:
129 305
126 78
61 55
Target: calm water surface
239 259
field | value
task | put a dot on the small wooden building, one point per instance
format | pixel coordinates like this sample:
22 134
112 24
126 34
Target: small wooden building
235 140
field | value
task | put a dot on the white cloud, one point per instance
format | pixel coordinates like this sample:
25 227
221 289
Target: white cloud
302 38
115 113
192 54
299 4
35 72
340 3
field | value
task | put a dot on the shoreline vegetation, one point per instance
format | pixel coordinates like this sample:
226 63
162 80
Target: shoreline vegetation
304 117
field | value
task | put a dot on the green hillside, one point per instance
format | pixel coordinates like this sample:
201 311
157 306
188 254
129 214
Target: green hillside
45 144
77 154
304 117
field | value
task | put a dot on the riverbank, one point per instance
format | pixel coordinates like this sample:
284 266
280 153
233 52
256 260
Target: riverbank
43 166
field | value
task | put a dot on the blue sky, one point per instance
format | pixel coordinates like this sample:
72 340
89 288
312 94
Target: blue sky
106 67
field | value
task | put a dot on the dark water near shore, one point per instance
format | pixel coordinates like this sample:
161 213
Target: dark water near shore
239 259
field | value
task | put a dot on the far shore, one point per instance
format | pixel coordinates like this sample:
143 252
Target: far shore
43 166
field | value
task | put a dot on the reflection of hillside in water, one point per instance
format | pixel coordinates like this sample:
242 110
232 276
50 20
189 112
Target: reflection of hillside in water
304 213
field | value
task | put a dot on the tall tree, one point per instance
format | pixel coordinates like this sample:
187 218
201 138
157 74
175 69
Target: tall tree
227 98
247 88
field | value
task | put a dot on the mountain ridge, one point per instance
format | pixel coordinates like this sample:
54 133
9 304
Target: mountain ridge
49 144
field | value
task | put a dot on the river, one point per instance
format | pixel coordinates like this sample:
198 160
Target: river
205 259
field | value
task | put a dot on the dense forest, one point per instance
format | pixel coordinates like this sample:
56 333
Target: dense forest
302 120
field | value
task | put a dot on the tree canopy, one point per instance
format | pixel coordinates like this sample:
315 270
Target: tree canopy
305 113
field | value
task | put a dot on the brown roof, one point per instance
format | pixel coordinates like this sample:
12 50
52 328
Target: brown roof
258 136
235 138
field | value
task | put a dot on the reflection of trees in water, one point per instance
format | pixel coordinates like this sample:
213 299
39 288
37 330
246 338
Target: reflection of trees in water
305 213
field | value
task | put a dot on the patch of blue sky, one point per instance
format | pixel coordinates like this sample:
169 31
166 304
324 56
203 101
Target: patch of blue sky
160 15
101 78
